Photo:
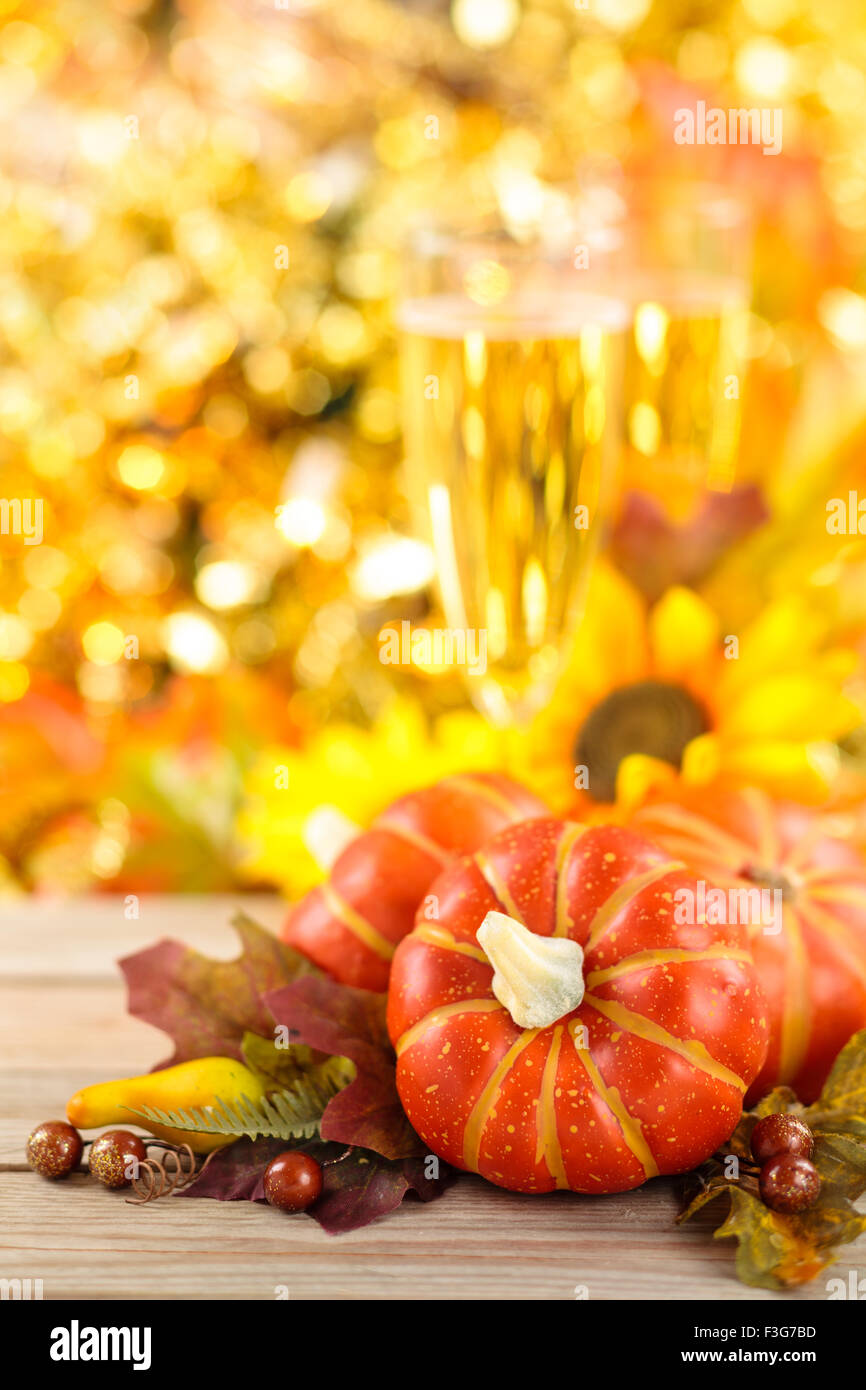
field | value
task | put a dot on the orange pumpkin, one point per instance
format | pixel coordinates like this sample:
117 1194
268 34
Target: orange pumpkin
811 959
351 924
499 1069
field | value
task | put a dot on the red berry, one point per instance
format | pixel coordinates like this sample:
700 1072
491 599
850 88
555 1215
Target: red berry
292 1181
781 1134
54 1149
115 1156
789 1183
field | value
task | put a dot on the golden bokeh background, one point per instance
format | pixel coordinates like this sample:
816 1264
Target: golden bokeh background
200 213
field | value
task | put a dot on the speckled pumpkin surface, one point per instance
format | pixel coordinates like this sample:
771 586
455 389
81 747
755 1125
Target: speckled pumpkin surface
350 925
812 961
645 1076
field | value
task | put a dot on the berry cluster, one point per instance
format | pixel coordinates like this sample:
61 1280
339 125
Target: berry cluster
292 1180
54 1149
782 1147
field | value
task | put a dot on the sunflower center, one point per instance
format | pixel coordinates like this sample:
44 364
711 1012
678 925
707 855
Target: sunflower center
652 717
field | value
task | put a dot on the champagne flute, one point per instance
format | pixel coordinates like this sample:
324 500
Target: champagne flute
510 360
686 253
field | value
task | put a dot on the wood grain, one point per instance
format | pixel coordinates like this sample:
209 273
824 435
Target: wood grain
63 1025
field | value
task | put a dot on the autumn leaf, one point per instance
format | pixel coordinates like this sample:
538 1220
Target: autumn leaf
230 1009
772 1253
206 1006
656 553
780 1099
703 1185
365 1185
776 1250
357 1187
841 1106
841 1163
236 1173
279 1067
346 1022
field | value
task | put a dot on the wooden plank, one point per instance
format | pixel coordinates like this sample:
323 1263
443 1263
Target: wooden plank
31 1095
475 1242
63 1024
42 1026
83 939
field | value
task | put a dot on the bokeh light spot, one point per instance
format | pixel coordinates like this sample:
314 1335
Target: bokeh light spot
103 643
140 467
485 23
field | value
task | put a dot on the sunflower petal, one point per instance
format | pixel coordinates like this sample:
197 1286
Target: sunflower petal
610 648
793 771
781 638
786 707
684 634
702 760
639 777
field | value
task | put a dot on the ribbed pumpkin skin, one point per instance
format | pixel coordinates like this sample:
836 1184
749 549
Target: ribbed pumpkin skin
813 972
351 925
674 1036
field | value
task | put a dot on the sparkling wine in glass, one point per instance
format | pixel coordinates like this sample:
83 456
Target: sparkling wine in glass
686 277
510 376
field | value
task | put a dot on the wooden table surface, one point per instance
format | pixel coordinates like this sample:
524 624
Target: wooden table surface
63 1025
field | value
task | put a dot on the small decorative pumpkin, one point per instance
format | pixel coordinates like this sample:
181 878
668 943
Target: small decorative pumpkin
351 924
555 1027
810 957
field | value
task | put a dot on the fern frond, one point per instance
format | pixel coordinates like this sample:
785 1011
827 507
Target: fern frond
294 1113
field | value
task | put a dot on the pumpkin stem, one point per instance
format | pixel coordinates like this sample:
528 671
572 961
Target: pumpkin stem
538 979
773 879
326 832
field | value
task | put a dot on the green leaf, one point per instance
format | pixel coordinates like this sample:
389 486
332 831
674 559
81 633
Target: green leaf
710 1188
293 1113
841 1164
779 1251
273 1065
770 1253
841 1106
845 1087
279 1067
776 1251
778 1101
348 1022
